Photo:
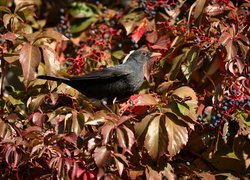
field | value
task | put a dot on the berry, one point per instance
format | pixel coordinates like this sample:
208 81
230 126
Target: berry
119 45
218 115
224 107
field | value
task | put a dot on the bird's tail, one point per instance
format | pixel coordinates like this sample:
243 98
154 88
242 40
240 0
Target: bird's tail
52 78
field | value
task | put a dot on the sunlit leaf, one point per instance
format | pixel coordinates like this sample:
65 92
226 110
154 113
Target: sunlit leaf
30 57
156 139
169 172
199 8
35 102
152 174
177 134
138 33
51 60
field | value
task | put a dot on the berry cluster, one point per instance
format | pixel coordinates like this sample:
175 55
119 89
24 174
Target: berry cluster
63 26
150 7
225 111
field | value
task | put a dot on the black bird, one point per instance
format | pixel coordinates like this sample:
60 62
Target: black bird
113 82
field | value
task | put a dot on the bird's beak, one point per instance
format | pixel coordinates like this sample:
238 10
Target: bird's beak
155 54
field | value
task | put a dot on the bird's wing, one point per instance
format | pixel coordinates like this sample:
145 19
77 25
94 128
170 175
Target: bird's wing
106 73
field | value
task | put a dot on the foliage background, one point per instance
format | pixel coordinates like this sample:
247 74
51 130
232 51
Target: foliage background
190 120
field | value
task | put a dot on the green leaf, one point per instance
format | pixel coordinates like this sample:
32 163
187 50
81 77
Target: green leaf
82 10
14 101
78 26
190 64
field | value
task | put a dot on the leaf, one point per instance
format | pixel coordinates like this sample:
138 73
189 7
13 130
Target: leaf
120 160
190 64
155 139
120 138
106 131
199 8
142 126
81 10
48 33
96 122
8 36
175 68
177 134
143 100
101 156
35 102
132 20
161 43
214 10
169 172
51 60
5 9
187 95
138 33
82 25
6 20
30 57
152 174
14 101
38 119
130 137
5 130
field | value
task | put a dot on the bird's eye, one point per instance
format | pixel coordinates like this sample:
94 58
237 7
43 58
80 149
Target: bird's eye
144 54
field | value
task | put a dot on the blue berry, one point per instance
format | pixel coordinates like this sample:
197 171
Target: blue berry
206 113
224 107
188 163
119 45
218 115
213 117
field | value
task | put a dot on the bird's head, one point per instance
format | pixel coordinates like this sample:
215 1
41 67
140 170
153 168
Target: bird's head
141 56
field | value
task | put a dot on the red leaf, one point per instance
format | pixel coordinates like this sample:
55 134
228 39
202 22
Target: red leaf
137 34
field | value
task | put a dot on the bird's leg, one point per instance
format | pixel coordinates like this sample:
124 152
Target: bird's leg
105 104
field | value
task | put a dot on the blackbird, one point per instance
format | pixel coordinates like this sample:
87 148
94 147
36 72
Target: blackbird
106 84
